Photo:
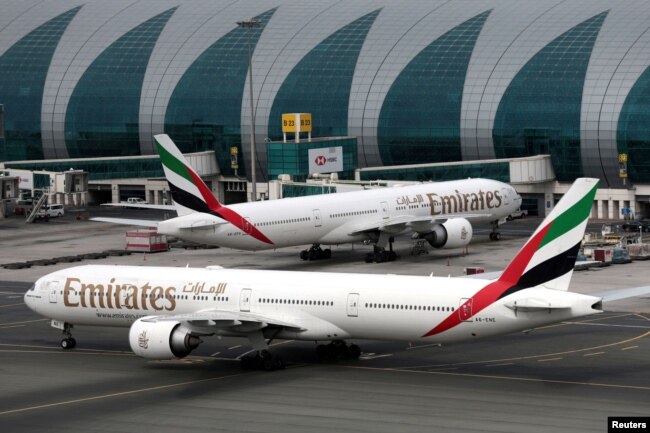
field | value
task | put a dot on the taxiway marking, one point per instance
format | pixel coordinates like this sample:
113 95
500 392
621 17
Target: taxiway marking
117 394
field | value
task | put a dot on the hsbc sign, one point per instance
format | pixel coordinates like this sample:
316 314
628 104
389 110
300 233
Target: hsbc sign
325 160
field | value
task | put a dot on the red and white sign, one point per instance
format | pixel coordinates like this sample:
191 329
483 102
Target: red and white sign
326 160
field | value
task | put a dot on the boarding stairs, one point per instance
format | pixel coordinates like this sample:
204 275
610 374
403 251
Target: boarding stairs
37 207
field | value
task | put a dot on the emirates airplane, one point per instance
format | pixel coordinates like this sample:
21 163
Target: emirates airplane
438 212
169 310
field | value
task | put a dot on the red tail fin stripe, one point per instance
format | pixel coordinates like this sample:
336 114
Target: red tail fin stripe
490 293
226 213
516 268
212 202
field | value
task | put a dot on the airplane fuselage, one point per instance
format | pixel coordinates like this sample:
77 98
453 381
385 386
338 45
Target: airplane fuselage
332 219
328 306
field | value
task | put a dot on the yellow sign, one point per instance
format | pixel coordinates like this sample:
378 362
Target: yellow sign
296 122
234 163
622 157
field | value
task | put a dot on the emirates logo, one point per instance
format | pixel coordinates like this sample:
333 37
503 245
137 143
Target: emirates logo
320 160
143 340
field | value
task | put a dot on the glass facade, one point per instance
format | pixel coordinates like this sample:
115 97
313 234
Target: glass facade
420 117
204 112
290 190
422 82
102 118
293 158
320 82
540 111
23 69
634 129
498 171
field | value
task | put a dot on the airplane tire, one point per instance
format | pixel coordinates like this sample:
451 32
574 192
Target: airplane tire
355 351
278 363
343 352
304 254
267 363
321 352
68 343
327 254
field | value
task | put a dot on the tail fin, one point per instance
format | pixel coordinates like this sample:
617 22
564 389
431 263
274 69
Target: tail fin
549 255
189 192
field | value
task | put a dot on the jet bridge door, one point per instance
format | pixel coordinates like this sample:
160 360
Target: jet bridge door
353 305
53 289
245 300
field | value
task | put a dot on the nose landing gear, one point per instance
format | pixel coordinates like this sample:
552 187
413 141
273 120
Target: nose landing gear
495 235
67 342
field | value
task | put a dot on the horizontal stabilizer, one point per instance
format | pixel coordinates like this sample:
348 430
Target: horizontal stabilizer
127 221
535 304
618 294
142 206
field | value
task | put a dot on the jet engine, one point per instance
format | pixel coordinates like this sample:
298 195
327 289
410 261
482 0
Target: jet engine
453 233
161 340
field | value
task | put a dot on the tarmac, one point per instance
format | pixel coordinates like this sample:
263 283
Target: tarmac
567 377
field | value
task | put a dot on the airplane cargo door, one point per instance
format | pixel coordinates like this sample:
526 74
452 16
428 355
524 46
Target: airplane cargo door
353 305
318 221
384 210
53 288
245 300
465 310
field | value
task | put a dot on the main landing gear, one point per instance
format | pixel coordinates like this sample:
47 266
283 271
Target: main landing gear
495 235
380 254
67 342
336 350
262 360
315 253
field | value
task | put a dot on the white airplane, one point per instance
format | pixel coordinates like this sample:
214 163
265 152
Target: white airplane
438 212
170 309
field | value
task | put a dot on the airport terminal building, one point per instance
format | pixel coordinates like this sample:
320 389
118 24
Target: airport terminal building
421 81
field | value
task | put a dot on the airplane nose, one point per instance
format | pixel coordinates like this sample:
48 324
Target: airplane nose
29 297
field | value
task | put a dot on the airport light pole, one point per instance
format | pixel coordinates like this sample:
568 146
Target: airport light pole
249 25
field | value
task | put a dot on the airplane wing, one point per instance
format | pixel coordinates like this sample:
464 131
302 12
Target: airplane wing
234 320
142 206
415 223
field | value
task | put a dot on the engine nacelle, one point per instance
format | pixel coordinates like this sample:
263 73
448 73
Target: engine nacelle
161 340
454 233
